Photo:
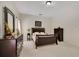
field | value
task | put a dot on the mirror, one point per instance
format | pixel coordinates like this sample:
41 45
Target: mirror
9 21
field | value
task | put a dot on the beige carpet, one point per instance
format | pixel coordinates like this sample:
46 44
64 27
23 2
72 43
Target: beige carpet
61 50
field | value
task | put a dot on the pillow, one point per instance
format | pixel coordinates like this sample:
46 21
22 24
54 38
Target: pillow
36 33
42 33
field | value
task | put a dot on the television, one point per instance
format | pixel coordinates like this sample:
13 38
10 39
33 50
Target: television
38 23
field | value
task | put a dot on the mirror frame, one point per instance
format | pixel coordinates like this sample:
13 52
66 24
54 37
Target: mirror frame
6 11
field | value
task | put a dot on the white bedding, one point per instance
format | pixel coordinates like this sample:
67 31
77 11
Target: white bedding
34 37
37 33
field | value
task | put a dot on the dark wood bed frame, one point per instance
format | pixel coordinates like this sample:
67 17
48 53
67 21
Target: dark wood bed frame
43 40
38 30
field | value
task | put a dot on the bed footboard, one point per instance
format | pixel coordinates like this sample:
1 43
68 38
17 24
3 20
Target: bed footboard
45 40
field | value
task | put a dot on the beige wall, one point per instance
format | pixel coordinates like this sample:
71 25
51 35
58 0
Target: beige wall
67 17
1 26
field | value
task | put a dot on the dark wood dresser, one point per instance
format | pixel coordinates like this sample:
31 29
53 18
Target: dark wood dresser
59 33
11 47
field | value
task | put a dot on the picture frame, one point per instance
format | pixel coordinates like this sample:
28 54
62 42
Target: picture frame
38 23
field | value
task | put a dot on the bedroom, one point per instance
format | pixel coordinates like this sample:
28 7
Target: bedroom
64 14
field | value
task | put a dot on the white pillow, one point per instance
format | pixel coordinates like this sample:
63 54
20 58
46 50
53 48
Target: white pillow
36 32
42 33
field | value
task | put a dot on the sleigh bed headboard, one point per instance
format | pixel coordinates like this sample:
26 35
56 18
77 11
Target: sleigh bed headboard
38 30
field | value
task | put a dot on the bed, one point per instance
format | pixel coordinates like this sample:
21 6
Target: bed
43 39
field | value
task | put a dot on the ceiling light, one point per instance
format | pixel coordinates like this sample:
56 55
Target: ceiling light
48 2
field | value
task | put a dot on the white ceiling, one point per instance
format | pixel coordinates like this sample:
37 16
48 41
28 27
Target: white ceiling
39 7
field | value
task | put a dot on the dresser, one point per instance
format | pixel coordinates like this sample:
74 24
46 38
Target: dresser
11 47
59 33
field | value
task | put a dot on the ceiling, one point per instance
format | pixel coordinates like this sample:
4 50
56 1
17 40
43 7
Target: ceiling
40 8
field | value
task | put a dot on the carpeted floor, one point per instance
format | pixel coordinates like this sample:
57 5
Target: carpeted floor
61 50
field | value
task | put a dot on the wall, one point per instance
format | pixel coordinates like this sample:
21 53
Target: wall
10 5
67 17
1 26
28 21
